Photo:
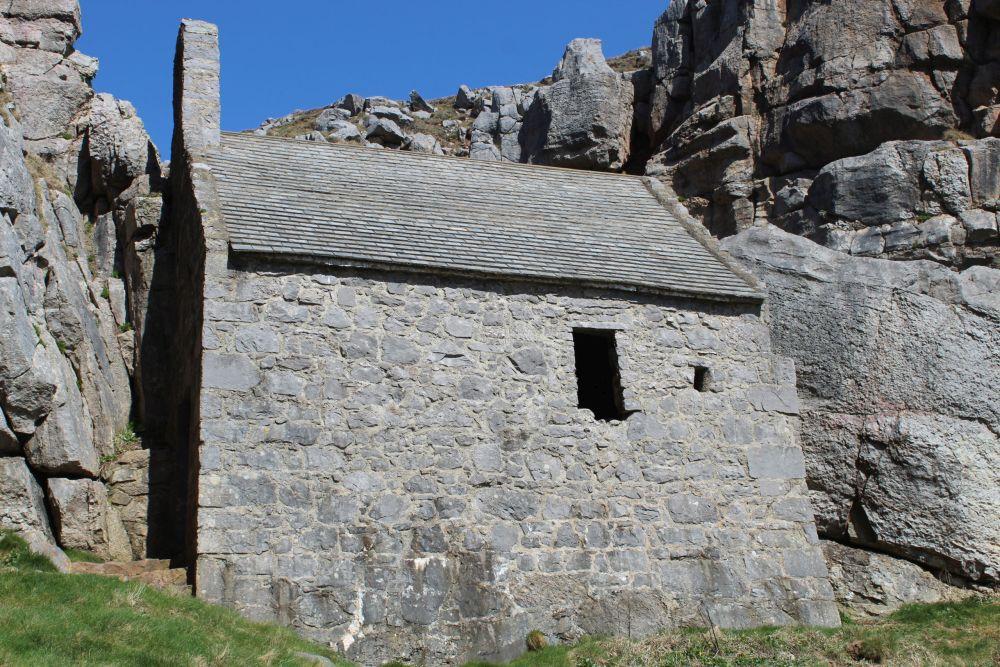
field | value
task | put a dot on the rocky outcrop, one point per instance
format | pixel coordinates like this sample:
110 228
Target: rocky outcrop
904 200
584 118
898 364
754 101
588 114
873 584
75 168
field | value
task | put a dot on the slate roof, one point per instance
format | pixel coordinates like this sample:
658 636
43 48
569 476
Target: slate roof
386 208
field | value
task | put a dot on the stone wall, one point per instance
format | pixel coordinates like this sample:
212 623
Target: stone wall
397 464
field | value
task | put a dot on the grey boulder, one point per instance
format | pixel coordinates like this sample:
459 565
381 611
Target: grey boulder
353 104
344 130
84 519
584 119
328 118
418 103
118 146
873 584
384 131
16 190
22 510
423 143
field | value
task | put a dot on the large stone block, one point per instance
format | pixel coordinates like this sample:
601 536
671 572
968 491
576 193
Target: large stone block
22 502
897 364
229 371
584 119
875 584
83 518
776 463
63 443
17 193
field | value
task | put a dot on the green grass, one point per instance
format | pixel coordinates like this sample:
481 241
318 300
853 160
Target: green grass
15 556
48 618
56 619
963 634
80 556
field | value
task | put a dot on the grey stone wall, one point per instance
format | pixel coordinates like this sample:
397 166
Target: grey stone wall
398 465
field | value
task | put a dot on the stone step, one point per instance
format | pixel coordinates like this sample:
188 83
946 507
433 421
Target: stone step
154 573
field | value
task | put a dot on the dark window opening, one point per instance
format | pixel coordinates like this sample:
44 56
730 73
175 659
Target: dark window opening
598 380
702 378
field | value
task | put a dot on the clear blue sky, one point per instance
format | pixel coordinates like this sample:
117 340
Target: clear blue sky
300 54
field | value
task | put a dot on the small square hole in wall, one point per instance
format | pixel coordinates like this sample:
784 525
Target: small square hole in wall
702 378
598 377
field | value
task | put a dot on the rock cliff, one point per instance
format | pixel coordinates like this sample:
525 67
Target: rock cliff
862 125
76 168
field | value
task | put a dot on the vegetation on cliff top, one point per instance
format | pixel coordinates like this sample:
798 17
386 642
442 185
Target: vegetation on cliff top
54 619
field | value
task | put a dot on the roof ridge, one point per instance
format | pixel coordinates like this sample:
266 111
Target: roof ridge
417 156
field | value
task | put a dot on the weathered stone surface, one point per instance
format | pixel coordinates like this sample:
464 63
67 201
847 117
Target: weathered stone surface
22 502
897 364
127 479
418 103
17 193
27 378
343 130
894 202
384 131
423 143
63 443
63 10
9 445
744 89
83 518
466 98
118 146
874 584
22 509
584 119
50 93
353 104
326 119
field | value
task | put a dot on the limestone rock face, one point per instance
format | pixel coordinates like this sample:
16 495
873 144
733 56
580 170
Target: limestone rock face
118 146
898 364
72 167
51 93
904 200
84 519
584 119
22 503
9 444
751 96
874 584
17 193
22 509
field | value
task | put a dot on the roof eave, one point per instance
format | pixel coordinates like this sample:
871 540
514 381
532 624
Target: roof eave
273 255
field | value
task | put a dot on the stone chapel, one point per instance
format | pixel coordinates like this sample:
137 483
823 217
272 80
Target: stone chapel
432 404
